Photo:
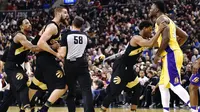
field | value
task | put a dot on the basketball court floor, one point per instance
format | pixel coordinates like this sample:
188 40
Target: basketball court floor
64 109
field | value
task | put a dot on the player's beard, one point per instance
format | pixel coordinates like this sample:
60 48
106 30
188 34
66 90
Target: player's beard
64 21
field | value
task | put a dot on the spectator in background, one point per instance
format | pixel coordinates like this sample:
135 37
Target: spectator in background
195 54
196 43
98 91
150 96
143 79
111 29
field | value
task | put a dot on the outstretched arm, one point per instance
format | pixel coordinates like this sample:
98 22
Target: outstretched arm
20 38
149 43
114 56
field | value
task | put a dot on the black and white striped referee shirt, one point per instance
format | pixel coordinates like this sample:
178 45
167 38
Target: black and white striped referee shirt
76 42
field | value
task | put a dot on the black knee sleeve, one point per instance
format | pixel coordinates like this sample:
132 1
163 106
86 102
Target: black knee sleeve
24 96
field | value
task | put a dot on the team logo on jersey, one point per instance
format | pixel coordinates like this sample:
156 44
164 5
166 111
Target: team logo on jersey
117 80
176 80
59 74
195 80
137 51
19 76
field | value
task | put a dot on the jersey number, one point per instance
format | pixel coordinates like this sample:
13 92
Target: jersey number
78 40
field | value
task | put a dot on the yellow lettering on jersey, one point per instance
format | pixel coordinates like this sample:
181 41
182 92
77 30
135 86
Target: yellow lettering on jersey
196 79
137 51
133 83
20 50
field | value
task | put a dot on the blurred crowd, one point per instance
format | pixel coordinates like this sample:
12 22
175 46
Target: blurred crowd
110 26
29 4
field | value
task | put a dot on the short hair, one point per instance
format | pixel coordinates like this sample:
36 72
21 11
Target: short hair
78 21
151 72
145 24
160 5
20 21
56 9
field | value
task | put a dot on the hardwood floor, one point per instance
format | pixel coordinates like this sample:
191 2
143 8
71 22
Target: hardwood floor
64 109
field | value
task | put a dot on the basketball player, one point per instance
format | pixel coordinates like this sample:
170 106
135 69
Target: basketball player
194 85
17 55
170 53
9 97
38 82
123 73
73 45
46 63
134 90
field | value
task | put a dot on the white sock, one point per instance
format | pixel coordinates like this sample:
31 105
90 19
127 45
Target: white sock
182 93
165 97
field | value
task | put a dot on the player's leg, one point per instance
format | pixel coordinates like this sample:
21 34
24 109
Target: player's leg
117 84
55 79
7 100
165 97
193 89
20 81
71 83
10 95
35 84
135 97
193 97
163 86
174 64
182 93
86 91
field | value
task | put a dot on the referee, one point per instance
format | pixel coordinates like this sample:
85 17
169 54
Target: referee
73 45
